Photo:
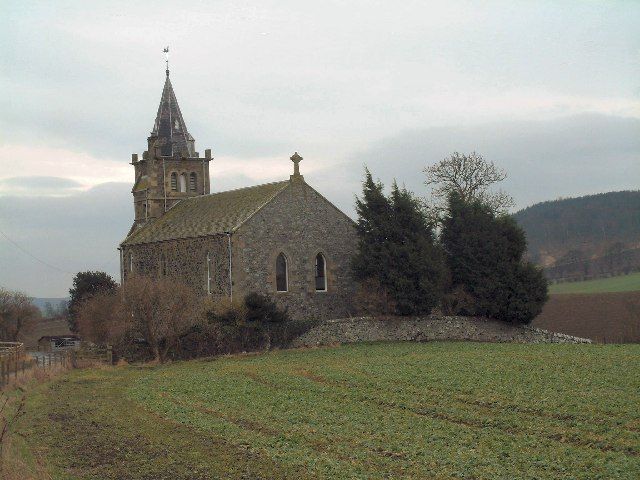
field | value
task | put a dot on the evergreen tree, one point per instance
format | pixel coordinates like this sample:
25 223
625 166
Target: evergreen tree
397 249
85 286
484 253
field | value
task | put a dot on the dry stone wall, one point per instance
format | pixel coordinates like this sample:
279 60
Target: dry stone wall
422 329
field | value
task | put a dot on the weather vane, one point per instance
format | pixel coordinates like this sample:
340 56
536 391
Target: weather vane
166 57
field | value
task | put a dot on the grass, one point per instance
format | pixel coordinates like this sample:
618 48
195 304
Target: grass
399 410
622 283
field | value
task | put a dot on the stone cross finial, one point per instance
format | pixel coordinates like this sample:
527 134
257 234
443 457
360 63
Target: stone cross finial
295 158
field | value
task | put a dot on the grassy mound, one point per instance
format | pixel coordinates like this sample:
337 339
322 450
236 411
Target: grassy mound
435 410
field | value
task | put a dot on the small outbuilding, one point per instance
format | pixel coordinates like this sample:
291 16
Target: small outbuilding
56 343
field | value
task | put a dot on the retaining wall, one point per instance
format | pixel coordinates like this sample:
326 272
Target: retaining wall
423 329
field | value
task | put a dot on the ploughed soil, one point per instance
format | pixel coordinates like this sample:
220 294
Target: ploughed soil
603 317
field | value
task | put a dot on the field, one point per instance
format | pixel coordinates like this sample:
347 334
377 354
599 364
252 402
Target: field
410 410
612 317
622 283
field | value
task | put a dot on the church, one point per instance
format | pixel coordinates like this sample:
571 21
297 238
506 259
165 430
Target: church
282 239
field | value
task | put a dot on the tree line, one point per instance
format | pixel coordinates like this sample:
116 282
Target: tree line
461 253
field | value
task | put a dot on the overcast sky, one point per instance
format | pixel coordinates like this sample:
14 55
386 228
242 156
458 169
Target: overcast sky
548 90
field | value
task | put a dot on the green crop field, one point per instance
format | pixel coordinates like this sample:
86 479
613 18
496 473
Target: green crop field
397 410
622 283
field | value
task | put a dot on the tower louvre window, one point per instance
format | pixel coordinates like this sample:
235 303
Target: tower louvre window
193 180
183 182
174 182
282 274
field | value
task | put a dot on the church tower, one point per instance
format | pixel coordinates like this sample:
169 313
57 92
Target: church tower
170 169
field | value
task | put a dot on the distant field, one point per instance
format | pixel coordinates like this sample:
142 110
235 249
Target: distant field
623 283
410 410
612 317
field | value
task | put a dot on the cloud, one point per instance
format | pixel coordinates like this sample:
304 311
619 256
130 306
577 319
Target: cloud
568 156
38 186
81 167
73 233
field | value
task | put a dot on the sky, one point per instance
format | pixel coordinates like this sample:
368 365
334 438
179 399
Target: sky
549 91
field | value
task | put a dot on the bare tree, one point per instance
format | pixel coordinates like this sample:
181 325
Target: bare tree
471 177
101 319
161 311
17 315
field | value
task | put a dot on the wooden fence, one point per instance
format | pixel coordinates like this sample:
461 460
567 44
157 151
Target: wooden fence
14 360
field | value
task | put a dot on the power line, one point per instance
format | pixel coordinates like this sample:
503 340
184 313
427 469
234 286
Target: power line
26 252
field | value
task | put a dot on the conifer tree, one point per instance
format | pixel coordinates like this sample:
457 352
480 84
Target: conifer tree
397 248
484 253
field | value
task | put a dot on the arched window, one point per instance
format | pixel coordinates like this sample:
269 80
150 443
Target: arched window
174 182
183 182
321 273
192 182
282 276
209 273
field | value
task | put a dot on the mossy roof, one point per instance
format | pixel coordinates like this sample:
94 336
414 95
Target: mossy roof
207 214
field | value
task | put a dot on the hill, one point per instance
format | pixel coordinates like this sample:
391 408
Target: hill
386 410
578 230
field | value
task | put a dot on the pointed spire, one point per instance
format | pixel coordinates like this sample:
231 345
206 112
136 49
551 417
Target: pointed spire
169 130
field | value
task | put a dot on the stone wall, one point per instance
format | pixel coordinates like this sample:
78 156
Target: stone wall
300 223
422 329
183 259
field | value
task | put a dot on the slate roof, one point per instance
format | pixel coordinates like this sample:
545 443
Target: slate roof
170 129
207 214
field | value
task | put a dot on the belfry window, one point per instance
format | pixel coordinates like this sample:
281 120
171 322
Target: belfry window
174 182
321 273
282 275
193 179
183 182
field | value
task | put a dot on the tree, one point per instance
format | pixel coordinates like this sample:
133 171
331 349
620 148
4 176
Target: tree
18 315
397 249
49 311
471 177
485 257
160 312
85 286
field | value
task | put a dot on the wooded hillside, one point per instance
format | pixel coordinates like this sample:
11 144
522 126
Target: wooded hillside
576 231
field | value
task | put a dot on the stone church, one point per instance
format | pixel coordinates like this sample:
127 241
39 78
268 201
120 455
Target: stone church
283 238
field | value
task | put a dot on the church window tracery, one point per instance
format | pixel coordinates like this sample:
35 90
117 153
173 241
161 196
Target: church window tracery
282 274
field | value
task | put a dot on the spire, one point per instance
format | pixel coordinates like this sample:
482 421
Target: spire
169 131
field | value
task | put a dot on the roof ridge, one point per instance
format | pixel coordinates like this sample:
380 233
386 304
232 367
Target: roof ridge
237 189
